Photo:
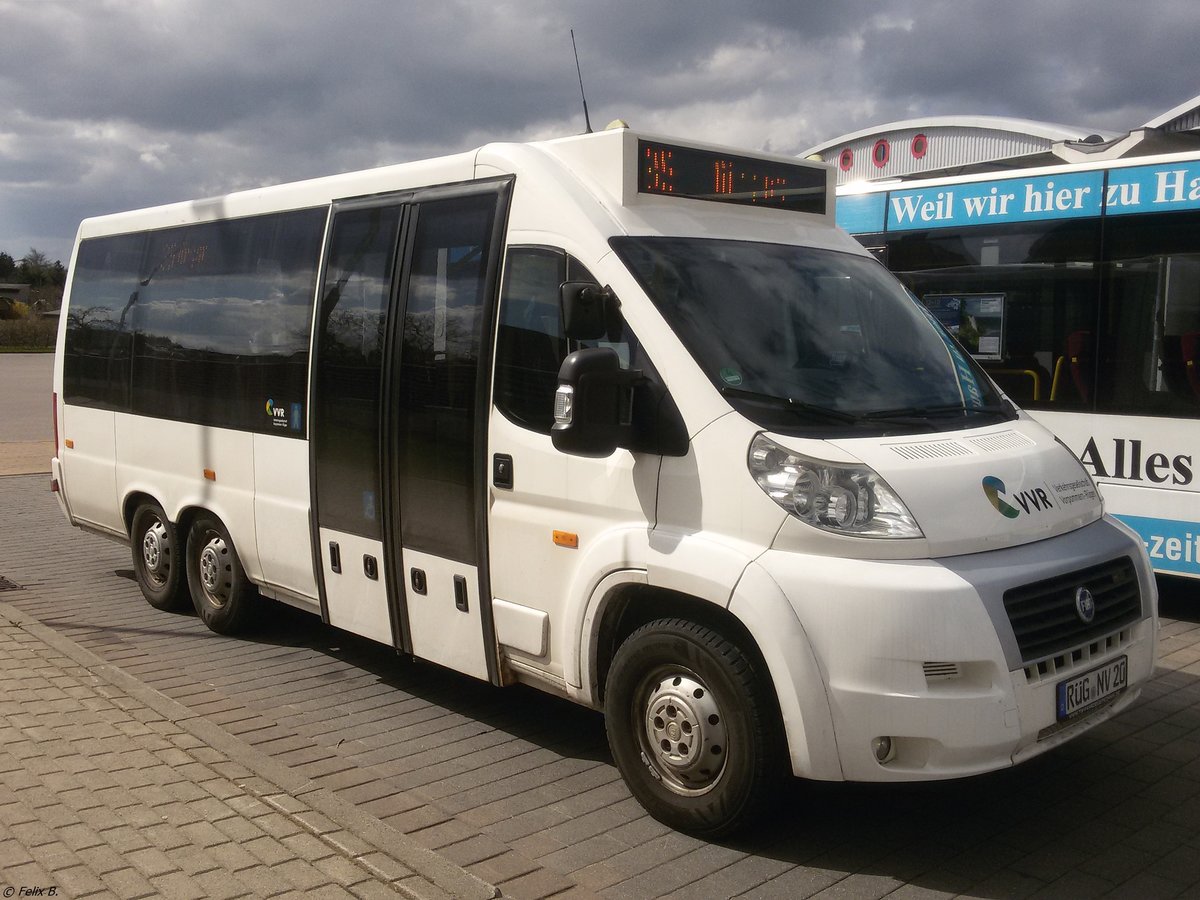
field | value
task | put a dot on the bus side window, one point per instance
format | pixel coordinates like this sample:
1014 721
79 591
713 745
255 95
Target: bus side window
530 345
530 348
1153 353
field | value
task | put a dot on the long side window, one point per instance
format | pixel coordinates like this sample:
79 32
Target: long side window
222 314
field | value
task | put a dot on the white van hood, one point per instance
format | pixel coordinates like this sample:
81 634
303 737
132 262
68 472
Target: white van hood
984 488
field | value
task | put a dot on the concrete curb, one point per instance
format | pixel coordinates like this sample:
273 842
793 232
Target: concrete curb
277 785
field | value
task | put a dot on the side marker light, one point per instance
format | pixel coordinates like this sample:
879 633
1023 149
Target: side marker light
566 539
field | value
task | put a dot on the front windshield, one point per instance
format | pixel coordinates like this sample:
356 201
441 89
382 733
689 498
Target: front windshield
802 339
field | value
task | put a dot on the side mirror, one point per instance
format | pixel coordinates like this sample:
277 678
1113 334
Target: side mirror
593 405
590 312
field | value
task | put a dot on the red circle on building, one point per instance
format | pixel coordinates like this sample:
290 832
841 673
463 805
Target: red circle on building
881 153
846 160
920 146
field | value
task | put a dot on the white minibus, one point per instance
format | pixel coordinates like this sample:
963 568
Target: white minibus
623 418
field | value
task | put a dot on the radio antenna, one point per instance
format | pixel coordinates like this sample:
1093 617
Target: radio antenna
578 71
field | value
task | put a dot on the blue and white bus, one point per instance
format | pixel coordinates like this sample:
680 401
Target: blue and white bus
1077 288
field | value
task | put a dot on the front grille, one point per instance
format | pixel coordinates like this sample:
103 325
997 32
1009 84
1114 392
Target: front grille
940 671
1077 658
1043 614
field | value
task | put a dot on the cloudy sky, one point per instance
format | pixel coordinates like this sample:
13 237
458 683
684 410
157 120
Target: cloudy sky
115 104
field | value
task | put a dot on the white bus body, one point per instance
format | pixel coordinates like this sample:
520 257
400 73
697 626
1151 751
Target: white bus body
1092 273
746 498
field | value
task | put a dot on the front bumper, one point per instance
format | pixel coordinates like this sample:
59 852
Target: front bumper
923 652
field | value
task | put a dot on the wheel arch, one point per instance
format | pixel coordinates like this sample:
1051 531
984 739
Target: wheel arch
762 622
129 507
182 521
628 606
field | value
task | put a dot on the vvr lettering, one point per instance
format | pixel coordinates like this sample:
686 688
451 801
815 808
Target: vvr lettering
1036 500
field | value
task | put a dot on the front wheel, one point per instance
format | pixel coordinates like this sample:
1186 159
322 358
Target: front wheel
223 595
692 727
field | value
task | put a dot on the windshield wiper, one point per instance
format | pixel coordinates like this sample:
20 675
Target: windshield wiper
791 404
943 411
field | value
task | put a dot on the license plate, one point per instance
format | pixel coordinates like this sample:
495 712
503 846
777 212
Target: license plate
1079 694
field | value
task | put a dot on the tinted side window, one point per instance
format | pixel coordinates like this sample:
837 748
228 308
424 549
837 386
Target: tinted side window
99 330
350 340
445 310
530 348
530 342
222 319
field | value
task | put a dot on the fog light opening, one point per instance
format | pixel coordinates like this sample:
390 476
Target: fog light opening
884 749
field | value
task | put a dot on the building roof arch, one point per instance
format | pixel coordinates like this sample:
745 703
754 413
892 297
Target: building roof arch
914 147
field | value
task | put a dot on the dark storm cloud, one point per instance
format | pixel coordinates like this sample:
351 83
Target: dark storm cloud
1108 66
112 104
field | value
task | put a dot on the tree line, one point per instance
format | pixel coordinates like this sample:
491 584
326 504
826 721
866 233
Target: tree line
34 269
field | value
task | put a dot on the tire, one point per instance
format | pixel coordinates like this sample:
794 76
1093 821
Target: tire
693 727
158 559
222 594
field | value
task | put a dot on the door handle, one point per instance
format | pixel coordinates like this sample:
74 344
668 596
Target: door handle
502 470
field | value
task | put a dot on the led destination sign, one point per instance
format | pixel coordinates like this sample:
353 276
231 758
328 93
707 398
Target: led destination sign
725 178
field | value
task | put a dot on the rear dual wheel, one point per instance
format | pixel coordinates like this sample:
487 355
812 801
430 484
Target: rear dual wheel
693 727
158 563
223 595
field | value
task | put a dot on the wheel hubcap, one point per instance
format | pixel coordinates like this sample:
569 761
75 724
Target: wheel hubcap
156 551
684 732
212 571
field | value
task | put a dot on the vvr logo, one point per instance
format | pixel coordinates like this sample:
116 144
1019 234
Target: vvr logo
1036 500
278 414
993 487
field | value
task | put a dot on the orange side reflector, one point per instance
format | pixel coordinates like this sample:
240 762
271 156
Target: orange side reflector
70 444
210 474
566 539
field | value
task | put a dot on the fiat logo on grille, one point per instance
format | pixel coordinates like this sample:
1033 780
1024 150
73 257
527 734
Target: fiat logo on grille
1085 605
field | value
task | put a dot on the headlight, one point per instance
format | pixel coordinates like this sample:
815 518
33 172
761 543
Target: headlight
838 498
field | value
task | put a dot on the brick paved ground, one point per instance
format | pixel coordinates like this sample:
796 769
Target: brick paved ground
110 789
518 787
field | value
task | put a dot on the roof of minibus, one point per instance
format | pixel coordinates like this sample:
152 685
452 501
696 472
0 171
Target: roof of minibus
590 174
601 171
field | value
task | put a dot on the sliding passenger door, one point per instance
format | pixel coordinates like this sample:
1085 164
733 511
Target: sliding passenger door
409 296
347 405
439 391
